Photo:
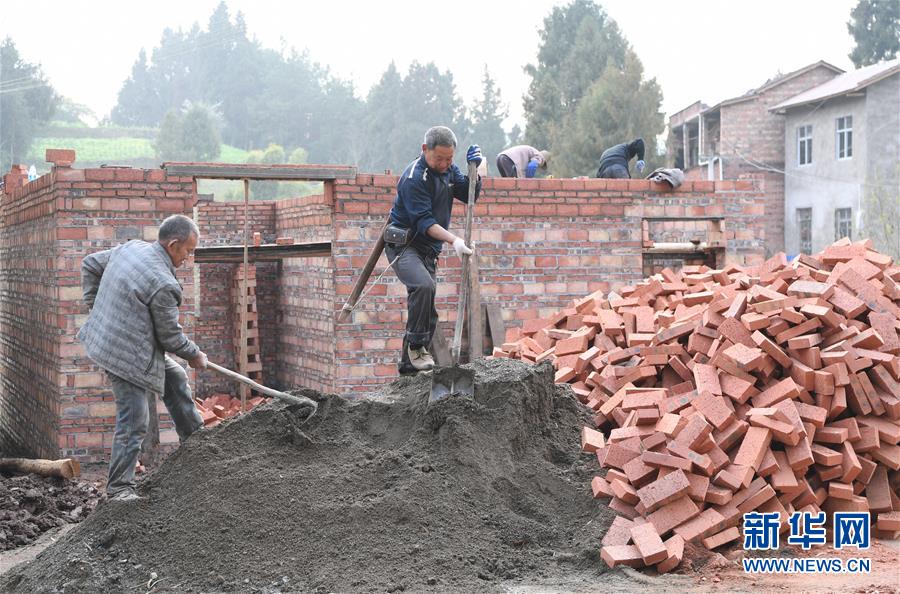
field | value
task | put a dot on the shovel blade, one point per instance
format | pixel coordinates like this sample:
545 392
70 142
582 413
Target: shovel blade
452 381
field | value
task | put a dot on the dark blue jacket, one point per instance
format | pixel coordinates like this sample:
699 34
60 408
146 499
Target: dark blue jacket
425 197
620 155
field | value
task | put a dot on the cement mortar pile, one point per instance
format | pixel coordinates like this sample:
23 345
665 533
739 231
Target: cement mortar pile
385 494
722 392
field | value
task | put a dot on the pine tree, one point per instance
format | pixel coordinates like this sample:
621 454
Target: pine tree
577 42
27 102
487 119
618 107
875 25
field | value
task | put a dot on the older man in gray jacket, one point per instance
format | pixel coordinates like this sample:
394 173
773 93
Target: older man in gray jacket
134 296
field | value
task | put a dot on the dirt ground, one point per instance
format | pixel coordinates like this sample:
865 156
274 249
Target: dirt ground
31 505
386 494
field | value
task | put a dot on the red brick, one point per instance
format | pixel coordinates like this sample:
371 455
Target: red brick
649 543
724 537
591 440
667 517
618 533
657 459
753 447
702 525
714 410
889 522
663 491
785 389
674 554
706 378
616 555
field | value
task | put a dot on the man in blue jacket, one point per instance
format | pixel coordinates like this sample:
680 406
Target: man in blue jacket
422 208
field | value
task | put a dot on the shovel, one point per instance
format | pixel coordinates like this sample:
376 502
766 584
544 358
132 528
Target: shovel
289 398
446 381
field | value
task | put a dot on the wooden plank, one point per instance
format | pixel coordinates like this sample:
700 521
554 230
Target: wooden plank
255 171
242 364
264 253
496 325
476 324
440 350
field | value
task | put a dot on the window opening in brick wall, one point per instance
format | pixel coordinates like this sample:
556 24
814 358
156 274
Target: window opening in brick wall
844 141
804 225
804 145
843 223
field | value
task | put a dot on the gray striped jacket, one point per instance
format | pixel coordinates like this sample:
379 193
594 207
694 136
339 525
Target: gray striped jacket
134 297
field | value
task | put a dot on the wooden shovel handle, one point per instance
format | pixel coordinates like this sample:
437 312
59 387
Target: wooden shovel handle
299 400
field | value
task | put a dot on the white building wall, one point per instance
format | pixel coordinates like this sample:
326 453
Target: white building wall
827 183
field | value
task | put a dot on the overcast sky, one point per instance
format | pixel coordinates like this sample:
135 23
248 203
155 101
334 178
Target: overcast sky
696 49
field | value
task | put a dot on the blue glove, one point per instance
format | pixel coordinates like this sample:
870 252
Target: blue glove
531 169
640 166
473 155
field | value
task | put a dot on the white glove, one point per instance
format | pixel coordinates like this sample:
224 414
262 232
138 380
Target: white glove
461 248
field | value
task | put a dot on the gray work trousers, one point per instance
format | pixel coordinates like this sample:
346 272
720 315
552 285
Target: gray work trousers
133 418
417 269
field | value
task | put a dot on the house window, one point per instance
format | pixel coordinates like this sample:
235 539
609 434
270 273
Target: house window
804 225
843 223
804 145
844 142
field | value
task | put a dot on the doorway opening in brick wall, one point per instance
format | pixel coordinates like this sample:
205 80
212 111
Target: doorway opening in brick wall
676 242
239 265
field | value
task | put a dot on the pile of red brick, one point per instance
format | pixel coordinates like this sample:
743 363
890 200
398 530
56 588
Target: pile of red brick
721 392
219 407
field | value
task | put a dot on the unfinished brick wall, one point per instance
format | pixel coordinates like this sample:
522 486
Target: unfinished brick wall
222 223
29 326
54 400
305 336
541 243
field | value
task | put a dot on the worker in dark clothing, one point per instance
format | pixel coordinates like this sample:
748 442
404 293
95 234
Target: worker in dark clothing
614 160
418 227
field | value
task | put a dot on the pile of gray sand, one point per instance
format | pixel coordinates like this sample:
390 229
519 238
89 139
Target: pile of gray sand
386 493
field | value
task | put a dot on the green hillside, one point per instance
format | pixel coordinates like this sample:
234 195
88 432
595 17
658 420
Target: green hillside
124 150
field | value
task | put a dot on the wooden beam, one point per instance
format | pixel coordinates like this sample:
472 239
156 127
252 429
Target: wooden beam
476 326
495 324
225 254
256 172
440 350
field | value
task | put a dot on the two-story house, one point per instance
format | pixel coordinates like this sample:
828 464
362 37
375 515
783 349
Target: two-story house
842 160
741 137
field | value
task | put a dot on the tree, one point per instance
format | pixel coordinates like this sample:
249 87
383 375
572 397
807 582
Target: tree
189 135
400 109
200 129
138 103
875 25
487 119
881 211
27 102
168 141
577 43
383 123
70 112
618 107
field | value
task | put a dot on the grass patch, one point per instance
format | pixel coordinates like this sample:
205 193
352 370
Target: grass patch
111 150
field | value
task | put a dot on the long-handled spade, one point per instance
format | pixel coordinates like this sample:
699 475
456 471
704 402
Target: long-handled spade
289 398
454 379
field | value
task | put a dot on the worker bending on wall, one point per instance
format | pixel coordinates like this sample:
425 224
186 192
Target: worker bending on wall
419 222
522 161
614 160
